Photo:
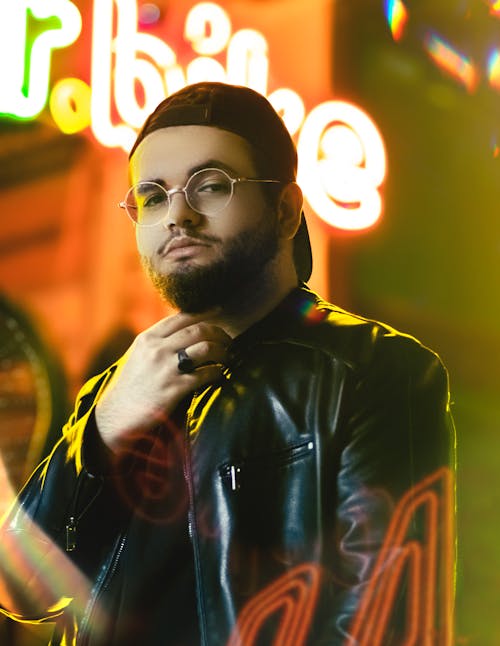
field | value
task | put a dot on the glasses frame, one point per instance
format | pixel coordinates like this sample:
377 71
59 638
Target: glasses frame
172 191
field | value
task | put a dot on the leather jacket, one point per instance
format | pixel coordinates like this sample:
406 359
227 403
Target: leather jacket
314 473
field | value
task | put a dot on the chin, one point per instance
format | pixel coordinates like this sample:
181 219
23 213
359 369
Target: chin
182 266
233 275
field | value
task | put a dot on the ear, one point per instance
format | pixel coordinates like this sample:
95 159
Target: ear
289 210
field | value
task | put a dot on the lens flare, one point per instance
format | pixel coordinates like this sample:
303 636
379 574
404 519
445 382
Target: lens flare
36 575
311 314
493 68
451 61
397 17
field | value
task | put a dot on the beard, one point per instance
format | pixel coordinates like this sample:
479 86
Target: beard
229 280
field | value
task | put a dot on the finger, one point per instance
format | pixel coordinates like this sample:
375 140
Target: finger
204 375
197 333
206 352
171 324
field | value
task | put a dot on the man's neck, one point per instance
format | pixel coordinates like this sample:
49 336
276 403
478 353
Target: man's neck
235 324
252 305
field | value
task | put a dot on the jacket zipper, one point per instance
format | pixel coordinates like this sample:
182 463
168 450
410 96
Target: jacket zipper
192 526
101 585
72 525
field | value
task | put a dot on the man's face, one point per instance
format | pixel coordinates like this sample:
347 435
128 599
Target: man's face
198 261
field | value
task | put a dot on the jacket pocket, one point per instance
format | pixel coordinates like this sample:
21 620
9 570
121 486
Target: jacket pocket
238 473
270 503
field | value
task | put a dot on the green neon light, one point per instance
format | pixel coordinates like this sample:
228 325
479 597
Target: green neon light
25 60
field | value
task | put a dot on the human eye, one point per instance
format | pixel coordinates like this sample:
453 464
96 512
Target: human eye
151 197
212 183
154 200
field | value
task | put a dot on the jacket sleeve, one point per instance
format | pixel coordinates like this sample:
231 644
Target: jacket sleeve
392 574
45 560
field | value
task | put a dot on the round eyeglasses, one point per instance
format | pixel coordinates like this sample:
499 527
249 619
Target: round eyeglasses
208 191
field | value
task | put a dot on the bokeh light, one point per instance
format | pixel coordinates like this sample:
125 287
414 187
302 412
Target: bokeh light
451 61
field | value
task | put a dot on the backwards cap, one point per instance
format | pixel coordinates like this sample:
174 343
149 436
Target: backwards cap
249 115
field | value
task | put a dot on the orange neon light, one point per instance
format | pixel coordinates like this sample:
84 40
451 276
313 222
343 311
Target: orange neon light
428 623
295 595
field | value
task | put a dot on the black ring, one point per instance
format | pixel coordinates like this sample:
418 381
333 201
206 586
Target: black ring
184 363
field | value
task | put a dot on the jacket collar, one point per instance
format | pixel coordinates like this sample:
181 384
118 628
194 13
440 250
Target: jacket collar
297 310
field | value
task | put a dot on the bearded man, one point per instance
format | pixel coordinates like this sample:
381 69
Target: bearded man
242 474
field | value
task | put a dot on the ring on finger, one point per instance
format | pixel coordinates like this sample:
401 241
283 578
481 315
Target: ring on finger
184 362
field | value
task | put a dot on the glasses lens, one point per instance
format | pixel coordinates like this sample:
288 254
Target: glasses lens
209 191
147 203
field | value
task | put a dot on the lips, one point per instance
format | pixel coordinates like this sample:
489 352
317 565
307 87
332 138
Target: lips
178 244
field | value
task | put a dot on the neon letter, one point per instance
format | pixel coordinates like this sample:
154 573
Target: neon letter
208 28
247 61
429 566
342 166
294 595
14 100
129 70
70 105
204 68
289 106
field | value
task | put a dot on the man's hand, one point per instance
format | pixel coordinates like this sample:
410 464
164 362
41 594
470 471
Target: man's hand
147 387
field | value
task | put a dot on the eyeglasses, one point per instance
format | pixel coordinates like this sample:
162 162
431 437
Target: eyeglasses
208 191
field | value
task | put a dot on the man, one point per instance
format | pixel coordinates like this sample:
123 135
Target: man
232 479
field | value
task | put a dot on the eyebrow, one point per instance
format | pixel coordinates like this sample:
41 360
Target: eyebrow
209 163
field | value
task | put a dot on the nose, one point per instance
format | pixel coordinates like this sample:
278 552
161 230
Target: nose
180 214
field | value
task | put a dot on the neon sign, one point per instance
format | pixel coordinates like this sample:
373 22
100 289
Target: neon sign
341 152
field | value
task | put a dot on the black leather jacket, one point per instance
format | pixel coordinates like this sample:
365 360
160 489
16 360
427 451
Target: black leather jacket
328 434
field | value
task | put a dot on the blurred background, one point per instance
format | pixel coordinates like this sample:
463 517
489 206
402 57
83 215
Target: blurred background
395 106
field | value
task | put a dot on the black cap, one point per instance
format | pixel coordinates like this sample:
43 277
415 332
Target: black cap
249 115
